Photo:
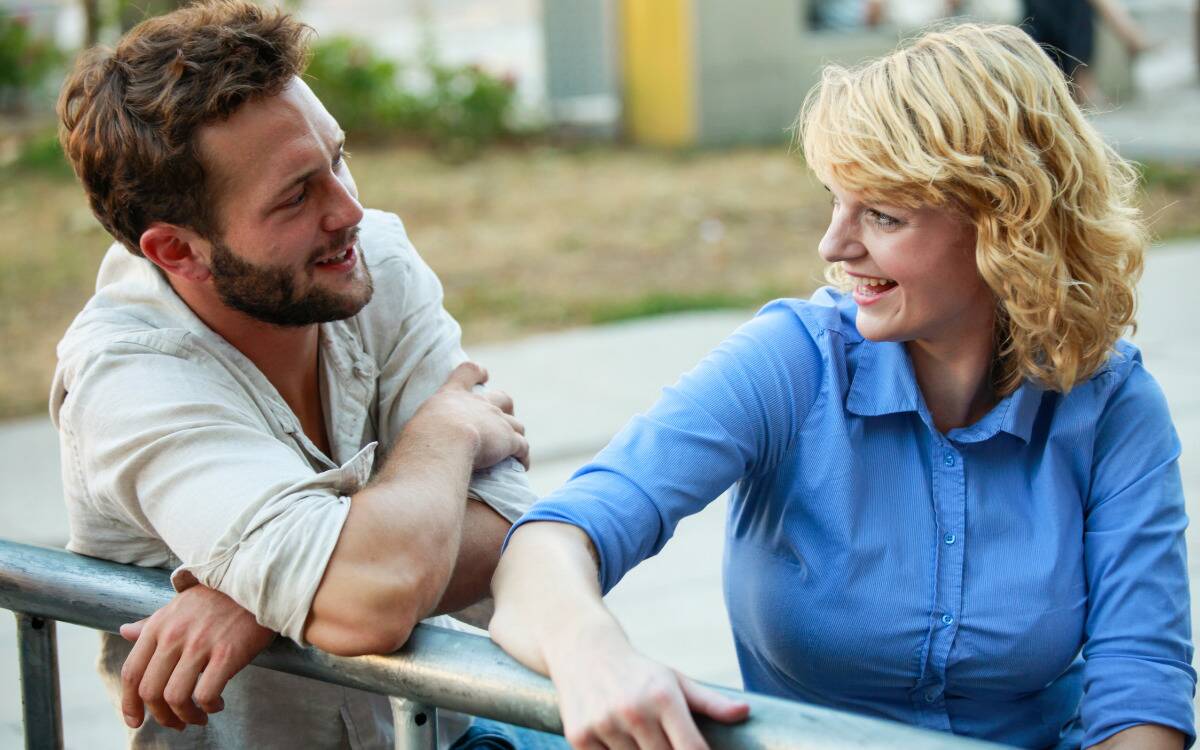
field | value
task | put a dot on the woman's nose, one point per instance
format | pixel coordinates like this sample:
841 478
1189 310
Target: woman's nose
840 242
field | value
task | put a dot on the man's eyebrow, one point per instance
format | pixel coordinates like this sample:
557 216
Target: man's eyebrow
308 174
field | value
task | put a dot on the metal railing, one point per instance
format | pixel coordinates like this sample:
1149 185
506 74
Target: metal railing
437 668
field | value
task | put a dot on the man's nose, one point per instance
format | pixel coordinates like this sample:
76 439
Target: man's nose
343 209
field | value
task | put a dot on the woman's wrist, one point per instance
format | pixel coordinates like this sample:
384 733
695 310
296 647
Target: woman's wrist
591 626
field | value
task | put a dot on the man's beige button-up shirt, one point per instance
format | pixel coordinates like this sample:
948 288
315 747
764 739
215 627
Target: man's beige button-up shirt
177 452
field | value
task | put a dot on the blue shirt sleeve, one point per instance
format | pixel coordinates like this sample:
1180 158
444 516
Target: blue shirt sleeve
1138 633
733 415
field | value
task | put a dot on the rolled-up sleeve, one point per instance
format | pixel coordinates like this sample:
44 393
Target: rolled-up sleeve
172 448
732 416
1138 647
418 344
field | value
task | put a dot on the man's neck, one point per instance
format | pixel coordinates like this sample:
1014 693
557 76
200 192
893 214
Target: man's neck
287 356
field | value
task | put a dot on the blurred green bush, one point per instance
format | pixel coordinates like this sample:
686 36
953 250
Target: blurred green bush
25 61
458 110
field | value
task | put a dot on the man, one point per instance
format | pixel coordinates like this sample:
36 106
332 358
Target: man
254 338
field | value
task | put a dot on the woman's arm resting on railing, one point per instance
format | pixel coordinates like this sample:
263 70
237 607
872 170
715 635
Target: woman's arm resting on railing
550 617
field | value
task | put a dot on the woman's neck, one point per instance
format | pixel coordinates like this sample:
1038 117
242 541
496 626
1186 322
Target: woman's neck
955 379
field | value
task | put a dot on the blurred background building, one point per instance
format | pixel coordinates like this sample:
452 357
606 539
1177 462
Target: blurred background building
659 72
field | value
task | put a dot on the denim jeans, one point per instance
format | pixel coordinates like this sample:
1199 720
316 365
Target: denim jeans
486 734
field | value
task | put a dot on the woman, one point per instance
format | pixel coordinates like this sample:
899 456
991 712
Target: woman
957 500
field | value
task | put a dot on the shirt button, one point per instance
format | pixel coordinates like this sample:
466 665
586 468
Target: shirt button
949 539
948 459
947 619
930 696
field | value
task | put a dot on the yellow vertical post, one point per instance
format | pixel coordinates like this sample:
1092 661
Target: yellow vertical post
658 65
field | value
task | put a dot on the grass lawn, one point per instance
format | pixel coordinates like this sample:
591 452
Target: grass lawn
524 240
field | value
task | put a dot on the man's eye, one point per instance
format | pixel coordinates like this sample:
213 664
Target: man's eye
297 199
342 156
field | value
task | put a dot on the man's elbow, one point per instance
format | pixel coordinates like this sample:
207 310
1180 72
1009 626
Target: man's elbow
367 614
357 632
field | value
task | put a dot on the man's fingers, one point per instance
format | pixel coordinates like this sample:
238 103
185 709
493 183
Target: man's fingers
517 425
500 400
713 704
131 680
212 683
154 683
181 685
131 631
522 451
466 376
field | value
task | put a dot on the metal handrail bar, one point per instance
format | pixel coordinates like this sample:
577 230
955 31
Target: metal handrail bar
437 667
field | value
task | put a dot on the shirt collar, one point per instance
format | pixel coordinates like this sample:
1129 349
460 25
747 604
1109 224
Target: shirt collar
884 383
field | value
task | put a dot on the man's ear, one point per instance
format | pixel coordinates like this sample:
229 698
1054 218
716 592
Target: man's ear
177 250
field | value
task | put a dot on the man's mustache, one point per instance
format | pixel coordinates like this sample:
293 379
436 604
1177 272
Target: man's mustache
343 238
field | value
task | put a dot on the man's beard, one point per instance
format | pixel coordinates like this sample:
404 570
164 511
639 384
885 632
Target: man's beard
269 294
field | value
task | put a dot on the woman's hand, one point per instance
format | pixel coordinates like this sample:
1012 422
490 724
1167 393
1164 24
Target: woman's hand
549 616
610 696
184 654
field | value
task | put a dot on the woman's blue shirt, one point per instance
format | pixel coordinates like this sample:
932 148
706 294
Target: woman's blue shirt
1022 579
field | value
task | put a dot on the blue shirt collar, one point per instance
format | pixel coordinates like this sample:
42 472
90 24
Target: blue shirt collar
884 383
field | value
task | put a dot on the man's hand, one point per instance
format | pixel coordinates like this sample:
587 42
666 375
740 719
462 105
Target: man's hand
487 414
184 654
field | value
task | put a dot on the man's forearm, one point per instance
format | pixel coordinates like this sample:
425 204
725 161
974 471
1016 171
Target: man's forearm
483 532
397 549
399 546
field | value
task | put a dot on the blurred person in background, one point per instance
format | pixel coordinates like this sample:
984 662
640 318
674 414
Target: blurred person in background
957 501
1066 29
851 15
265 394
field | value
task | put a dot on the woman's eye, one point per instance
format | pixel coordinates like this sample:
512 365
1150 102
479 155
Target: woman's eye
883 220
341 157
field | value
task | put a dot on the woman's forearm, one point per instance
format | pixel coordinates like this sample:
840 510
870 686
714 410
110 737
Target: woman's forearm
547 593
1143 737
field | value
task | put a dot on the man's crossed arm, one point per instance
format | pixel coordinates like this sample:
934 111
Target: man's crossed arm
411 546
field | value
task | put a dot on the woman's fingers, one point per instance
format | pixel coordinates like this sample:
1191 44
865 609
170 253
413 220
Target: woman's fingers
712 703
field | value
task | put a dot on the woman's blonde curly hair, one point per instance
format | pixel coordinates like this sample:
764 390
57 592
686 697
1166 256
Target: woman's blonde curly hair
977 118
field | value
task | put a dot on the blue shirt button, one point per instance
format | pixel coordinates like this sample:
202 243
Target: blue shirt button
949 539
948 459
930 696
947 619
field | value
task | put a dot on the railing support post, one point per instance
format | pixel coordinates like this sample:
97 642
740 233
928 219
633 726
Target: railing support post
416 724
40 699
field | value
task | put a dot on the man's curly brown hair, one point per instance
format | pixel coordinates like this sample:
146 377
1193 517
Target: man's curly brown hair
129 115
